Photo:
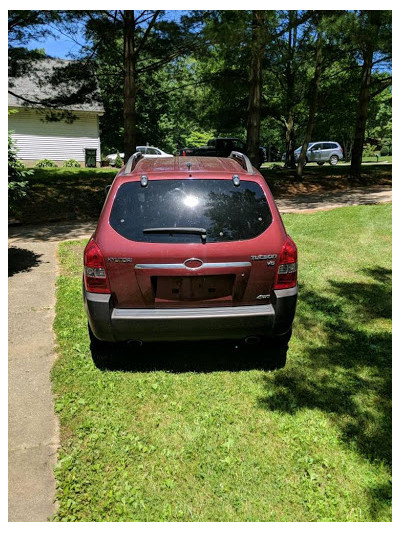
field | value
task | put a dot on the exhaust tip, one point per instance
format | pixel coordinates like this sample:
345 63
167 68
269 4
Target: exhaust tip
137 344
253 339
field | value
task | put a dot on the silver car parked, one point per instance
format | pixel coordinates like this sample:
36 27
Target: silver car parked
321 152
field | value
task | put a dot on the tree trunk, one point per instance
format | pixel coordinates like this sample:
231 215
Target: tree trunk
255 83
129 86
361 121
290 141
373 22
290 86
313 105
347 149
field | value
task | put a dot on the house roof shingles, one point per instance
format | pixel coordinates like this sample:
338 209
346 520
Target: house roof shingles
34 90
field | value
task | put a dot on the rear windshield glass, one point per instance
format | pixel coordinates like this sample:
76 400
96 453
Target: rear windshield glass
226 212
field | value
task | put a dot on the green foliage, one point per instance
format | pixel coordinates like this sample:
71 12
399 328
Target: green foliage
379 124
45 163
71 163
204 88
156 436
17 174
198 138
118 161
369 150
25 26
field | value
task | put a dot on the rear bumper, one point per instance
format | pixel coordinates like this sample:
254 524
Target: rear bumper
112 324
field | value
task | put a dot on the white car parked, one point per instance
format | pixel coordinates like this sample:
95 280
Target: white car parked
147 151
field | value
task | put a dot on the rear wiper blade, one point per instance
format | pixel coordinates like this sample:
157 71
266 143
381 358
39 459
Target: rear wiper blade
188 231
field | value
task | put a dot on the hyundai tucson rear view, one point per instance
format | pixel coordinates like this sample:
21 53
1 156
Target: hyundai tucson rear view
190 248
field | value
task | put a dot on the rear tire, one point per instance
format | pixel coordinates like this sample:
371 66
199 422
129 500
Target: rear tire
94 341
333 160
100 350
320 163
277 348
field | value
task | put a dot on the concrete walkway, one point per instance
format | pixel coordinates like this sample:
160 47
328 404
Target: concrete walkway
33 427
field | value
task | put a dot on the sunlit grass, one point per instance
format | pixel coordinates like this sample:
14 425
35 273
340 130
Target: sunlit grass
203 433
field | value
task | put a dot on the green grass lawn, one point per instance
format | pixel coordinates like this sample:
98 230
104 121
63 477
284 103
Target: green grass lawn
202 432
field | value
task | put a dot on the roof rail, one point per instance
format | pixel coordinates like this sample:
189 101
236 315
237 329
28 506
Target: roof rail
243 161
132 162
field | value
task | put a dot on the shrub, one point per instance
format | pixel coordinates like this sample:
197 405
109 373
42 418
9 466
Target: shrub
118 161
45 163
369 150
17 173
385 151
71 163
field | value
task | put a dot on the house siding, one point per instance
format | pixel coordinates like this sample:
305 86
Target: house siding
37 139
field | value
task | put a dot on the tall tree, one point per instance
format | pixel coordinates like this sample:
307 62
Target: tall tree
146 43
313 100
259 37
290 74
287 74
373 33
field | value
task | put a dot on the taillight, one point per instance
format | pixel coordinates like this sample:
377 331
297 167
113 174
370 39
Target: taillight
95 275
286 276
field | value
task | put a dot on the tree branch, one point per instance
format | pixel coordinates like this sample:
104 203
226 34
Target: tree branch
33 102
380 90
146 34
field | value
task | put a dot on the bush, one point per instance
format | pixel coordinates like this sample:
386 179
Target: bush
17 173
71 163
118 161
385 151
369 150
45 163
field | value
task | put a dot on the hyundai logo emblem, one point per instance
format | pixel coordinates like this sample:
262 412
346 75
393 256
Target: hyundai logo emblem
193 263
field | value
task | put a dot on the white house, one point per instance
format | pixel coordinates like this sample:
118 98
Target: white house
37 138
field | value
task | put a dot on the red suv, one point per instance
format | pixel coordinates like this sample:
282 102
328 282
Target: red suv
191 248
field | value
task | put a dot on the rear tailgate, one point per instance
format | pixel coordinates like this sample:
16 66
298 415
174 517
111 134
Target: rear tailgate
235 265
162 275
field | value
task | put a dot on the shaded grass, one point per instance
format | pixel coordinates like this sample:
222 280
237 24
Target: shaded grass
284 182
201 432
370 159
64 194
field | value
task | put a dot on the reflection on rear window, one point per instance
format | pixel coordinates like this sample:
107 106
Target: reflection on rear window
228 213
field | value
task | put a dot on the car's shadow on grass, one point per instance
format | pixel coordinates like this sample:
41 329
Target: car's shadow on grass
179 357
21 260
